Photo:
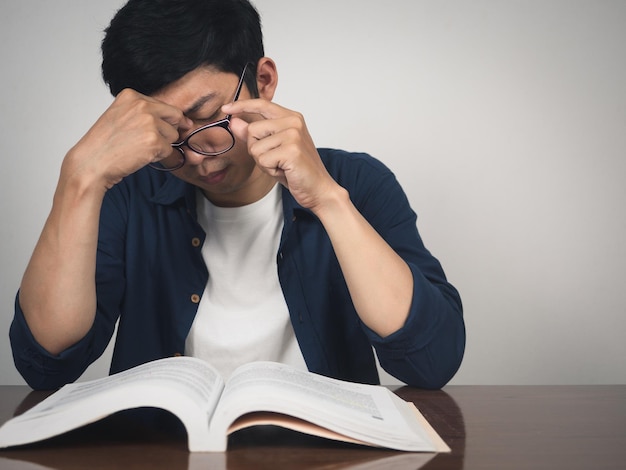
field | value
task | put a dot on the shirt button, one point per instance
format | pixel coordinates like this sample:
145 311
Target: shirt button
195 242
195 298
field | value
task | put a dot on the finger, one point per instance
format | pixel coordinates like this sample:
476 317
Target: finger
239 128
171 123
274 164
264 108
177 119
288 127
261 147
169 133
173 116
139 103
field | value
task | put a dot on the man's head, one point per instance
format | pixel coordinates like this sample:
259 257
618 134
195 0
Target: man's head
152 43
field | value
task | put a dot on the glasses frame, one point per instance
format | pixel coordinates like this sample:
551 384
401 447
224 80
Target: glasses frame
223 123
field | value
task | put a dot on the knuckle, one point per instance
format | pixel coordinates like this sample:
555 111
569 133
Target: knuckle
293 148
141 106
127 95
292 133
152 139
145 122
297 120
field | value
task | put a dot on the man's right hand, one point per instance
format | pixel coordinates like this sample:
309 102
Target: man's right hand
134 131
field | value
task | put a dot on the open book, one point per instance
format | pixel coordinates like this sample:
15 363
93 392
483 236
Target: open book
256 393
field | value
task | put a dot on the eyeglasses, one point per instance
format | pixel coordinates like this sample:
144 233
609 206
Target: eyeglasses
210 140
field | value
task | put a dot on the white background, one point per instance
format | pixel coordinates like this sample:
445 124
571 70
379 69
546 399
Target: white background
505 121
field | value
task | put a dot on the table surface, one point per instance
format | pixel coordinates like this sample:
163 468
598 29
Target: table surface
487 427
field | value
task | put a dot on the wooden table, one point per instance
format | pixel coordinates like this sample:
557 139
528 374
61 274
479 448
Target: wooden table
487 427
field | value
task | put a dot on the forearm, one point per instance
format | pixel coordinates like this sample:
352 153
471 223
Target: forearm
379 280
57 293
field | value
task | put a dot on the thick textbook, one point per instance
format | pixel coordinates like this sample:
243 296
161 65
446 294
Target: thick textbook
260 393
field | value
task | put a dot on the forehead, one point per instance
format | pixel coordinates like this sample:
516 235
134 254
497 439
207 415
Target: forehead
198 88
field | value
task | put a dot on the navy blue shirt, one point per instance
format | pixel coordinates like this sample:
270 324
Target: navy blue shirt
150 276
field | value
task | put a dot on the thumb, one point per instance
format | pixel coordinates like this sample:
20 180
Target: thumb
239 128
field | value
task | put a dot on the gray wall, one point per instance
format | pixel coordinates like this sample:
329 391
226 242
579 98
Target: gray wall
504 120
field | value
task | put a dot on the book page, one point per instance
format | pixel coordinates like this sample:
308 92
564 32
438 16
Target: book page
365 413
187 387
192 377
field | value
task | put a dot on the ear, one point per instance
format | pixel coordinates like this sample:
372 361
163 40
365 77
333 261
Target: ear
266 78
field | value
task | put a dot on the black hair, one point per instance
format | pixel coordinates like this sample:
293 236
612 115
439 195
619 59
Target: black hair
152 43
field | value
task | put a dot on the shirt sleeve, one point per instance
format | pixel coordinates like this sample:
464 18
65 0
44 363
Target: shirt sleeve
40 369
44 371
427 351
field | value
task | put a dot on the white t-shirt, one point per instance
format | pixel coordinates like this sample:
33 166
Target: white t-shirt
242 316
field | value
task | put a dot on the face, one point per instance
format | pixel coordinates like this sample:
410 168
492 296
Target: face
231 179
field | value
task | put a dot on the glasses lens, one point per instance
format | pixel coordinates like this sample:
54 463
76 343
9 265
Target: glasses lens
173 162
211 141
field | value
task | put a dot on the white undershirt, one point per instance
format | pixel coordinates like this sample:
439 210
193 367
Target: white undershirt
242 316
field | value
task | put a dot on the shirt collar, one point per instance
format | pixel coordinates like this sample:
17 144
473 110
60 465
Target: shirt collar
171 190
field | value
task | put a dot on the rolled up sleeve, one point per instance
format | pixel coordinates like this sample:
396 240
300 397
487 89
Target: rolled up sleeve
40 369
428 350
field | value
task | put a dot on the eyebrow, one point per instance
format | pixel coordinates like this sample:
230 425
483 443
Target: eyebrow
199 103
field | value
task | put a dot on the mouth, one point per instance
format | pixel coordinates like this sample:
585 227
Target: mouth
214 177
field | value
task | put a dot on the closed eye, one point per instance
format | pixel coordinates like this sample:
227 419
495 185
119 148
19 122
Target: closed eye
216 116
202 111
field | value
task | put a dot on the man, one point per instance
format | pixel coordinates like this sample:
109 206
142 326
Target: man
200 215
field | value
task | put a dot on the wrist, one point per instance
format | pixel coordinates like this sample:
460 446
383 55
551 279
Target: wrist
77 191
79 178
336 201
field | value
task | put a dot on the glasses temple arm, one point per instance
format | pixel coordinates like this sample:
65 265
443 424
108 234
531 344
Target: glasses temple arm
239 87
